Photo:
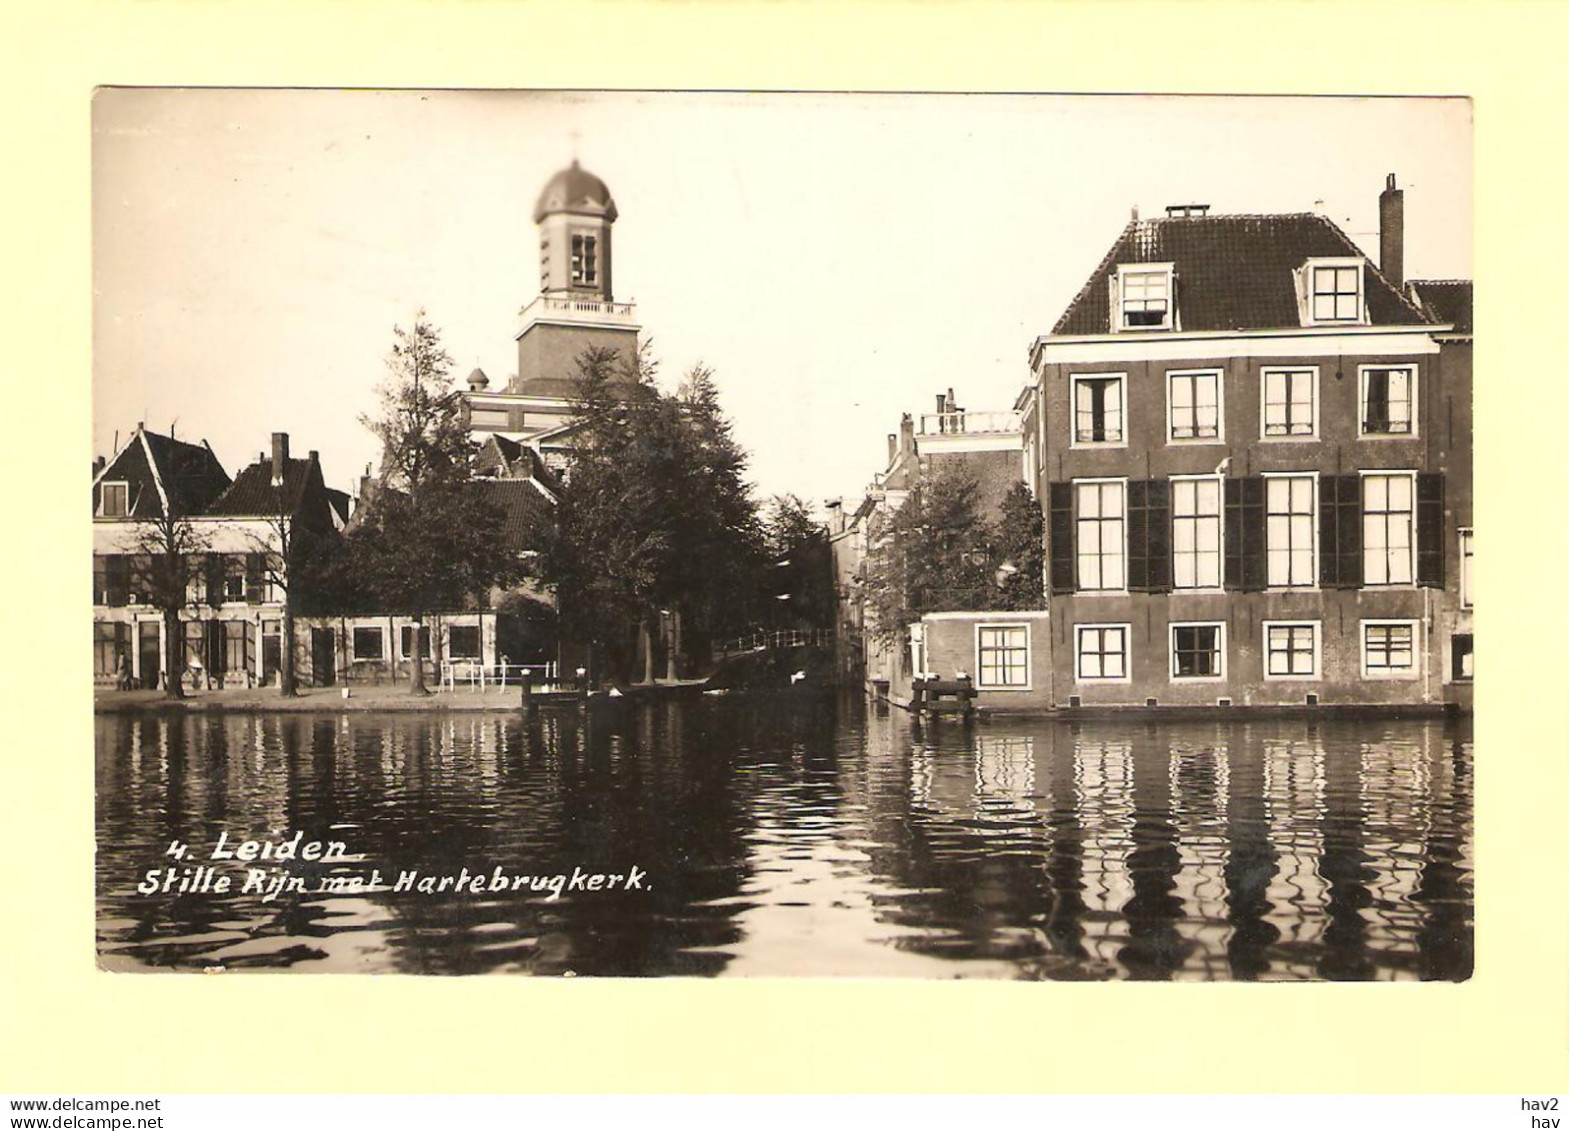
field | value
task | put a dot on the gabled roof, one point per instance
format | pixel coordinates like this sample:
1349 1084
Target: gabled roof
1233 272
504 458
1446 302
162 471
302 495
522 502
340 503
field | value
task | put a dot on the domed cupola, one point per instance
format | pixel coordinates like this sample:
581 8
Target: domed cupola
574 214
578 191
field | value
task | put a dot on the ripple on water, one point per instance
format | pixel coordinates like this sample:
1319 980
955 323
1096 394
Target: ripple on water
825 841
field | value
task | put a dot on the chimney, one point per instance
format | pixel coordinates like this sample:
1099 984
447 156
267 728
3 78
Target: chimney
906 433
1392 233
893 446
280 456
315 457
99 463
942 404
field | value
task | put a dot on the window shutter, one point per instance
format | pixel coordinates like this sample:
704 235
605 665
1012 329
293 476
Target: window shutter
1060 536
1138 535
1328 543
1254 519
1348 531
215 580
1430 530
214 657
1158 498
1232 571
253 578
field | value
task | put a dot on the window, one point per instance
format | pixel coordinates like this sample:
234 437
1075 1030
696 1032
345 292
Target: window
1097 409
1289 531
1145 302
585 260
1290 402
1387 557
463 642
1002 656
1101 652
406 641
111 644
1195 533
1100 529
369 643
1462 665
1388 400
1291 650
1465 569
116 579
1193 405
236 646
115 499
1198 651
1388 648
234 581
1335 291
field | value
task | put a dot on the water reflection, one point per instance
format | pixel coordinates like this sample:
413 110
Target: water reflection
783 836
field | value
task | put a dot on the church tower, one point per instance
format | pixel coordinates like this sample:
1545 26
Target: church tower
575 309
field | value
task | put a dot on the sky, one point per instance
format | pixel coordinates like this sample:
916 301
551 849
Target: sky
835 259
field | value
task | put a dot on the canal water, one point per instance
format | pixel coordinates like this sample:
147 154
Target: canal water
790 835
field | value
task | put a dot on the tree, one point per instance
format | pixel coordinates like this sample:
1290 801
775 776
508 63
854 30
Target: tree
930 555
1018 551
721 532
165 549
655 522
801 563
429 541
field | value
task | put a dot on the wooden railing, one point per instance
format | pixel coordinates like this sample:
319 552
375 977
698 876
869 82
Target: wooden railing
479 675
765 640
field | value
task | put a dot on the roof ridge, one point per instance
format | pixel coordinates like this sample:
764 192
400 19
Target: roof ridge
1399 292
1105 262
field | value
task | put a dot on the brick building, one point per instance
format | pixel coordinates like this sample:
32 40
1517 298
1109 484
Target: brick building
1254 454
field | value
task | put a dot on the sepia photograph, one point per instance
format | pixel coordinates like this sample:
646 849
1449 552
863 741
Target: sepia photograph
696 534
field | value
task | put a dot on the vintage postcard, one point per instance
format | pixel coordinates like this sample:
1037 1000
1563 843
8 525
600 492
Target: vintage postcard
618 534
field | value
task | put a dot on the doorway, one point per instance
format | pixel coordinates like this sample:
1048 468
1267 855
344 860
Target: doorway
324 651
149 656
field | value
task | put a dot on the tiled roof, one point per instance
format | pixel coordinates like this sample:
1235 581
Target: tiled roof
190 474
339 501
509 459
1444 301
253 495
1233 272
521 503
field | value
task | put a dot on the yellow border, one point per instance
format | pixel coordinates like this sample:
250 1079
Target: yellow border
70 1028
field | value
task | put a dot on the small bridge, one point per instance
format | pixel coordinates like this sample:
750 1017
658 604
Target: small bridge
774 641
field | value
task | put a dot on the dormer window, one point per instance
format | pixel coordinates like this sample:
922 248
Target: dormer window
1334 291
1143 298
115 499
